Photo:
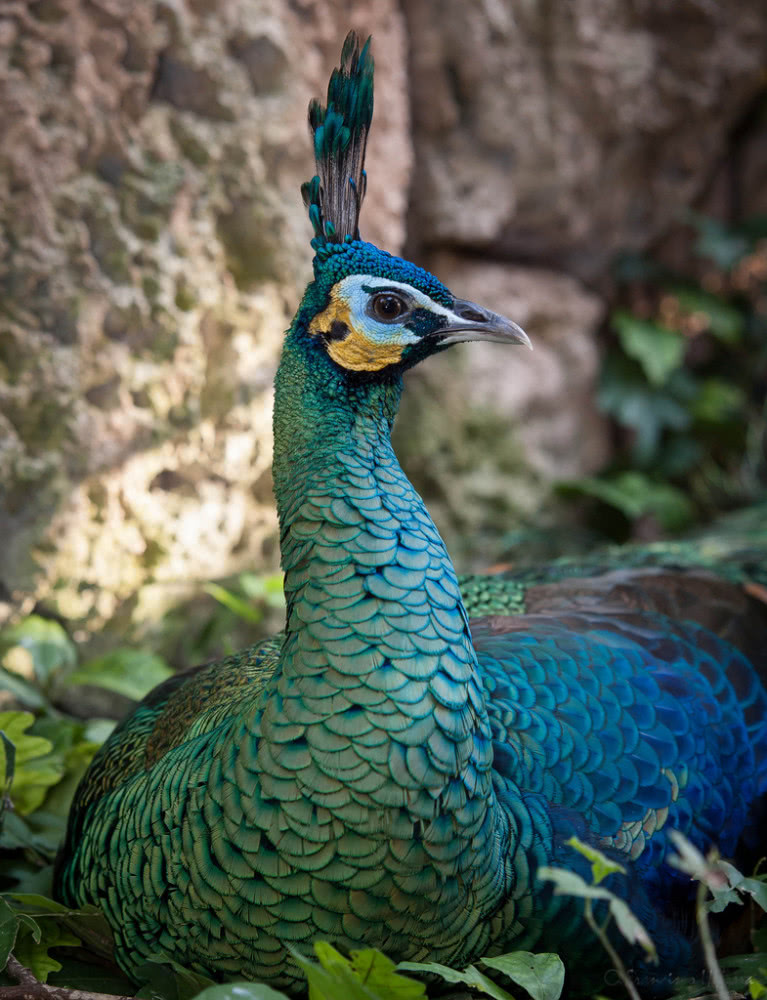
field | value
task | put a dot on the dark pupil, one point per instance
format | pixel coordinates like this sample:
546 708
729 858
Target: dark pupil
388 306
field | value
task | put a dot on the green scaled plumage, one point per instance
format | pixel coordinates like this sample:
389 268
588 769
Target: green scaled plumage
339 130
383 773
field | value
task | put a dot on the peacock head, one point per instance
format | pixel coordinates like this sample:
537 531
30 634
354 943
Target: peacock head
382 314
371 313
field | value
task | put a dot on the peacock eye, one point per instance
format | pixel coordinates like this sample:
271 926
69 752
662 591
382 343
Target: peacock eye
388 307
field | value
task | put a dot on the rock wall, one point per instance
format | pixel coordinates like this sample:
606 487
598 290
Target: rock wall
153 248
561 133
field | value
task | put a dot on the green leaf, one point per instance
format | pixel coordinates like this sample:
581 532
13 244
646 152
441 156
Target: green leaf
269 588
737 885
543 976
725 322
130 672
9 759
635 494
21 690
646 409
379 974
9 923
601 865
657 349
632 928
235 604
47 643
241 991
33 944
689 860
718 401
718 242
756 990
35 771
367 975
33 901
470 977
567 883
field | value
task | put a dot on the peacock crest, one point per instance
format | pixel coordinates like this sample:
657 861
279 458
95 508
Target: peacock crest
339 131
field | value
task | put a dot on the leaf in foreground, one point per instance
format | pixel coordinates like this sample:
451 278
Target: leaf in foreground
367 975
567 883
130 672
35 940
241 991
471 977
543 976
34 770
601 865
8 926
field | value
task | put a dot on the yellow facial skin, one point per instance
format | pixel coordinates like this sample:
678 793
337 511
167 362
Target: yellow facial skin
352 349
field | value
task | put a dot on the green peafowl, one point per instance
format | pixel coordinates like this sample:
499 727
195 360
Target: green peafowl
387 772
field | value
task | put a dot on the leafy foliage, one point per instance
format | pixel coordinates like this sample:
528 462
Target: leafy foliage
568 883
43 753
685 380
542 976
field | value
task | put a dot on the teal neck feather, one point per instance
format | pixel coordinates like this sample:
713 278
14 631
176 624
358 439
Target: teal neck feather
377 712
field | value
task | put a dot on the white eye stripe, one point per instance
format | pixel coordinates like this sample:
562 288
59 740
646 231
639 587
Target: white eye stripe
351 290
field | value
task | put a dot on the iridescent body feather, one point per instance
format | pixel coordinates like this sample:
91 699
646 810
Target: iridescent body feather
384 773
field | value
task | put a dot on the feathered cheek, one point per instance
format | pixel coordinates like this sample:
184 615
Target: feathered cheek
347 345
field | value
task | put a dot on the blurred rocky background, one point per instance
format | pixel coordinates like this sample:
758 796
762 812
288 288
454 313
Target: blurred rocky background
153 247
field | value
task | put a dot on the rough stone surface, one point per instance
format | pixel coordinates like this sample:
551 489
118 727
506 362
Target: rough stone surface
496 425
564 132
154 248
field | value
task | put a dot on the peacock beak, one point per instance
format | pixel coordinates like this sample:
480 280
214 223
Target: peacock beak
473 322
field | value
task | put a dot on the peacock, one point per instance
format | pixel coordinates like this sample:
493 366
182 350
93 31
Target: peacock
393 770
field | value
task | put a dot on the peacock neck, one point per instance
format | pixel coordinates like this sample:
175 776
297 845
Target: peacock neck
377 678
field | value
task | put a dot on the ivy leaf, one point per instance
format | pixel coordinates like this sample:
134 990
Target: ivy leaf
248 612
689 860
9 923
21 690
718 401
567 883
130 672
46 642
725 322
657 349
470 977
631 927
646 409
35 771
366 975
543 976
737 885
268 588
635 494
241 991
33 944
378 973
601 865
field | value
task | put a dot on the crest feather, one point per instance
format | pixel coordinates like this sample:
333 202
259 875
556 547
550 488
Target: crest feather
339 131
